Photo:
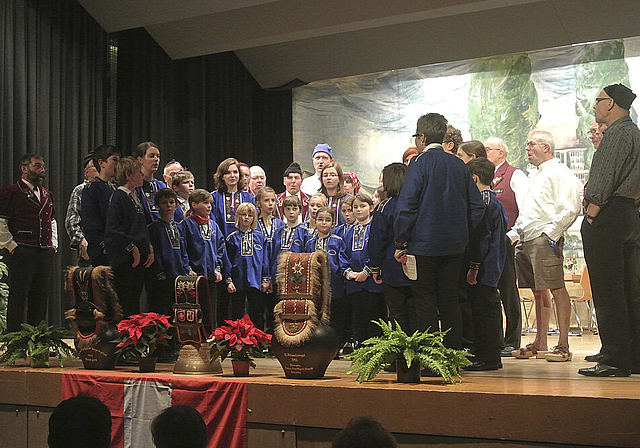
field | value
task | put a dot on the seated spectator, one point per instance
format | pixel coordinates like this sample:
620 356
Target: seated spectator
179 427
364 432
80 422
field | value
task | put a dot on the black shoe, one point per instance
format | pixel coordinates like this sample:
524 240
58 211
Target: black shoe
500 365
602 370
480 367
506 352
594 358
347 348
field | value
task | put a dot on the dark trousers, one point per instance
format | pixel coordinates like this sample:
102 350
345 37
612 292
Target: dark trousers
253 299
339 318
436 291
128 282
510 298
222 302
367 307
487 316
466 309
29 278
612 252
161 295
268 302
402 306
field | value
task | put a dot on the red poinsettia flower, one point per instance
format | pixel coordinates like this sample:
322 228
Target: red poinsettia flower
143 331
240 338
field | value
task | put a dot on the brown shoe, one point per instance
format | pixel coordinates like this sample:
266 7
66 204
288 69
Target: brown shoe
559 354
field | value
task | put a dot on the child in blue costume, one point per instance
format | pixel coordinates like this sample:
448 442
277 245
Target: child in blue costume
247 272
316 202
126 237
362 291
183 183
333 188
346 211
487 253
205 246
170 252
292 233
269 226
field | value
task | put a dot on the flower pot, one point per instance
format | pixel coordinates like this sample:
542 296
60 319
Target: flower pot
240 368
147 364
101 356
408 374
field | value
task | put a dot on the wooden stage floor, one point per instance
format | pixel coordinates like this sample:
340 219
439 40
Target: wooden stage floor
527 403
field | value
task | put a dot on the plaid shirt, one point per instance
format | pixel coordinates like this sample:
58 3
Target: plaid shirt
72 220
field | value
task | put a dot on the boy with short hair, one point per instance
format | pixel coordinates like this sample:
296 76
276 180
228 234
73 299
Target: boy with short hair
292 230
183 183
487 252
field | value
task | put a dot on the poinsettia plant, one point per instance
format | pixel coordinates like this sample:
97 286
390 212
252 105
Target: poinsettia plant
240 340
144 332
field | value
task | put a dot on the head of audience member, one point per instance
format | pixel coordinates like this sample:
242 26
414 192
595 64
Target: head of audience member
613 103
430 128
169 169
200 202
246 175
322 155
452 139
129 172
80 422
351 183
292 178
228 178
364 432
183 183
149 156
90 171
409 155
105 158
540 146
179 426
496 150
332 179
482 171
595 133
471 150
258 178
393 179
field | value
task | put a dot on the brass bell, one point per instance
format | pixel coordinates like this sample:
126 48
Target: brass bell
195 360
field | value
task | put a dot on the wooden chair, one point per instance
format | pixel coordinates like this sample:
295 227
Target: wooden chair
587 299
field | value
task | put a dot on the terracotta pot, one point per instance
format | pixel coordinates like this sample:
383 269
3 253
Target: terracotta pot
147 364
408 374
310 359
240 368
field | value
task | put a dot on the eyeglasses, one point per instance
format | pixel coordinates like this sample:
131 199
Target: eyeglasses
329 175
416 135
531 144
602 99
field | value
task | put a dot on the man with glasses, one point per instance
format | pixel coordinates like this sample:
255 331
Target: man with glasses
258 179
437 208
28 230
610 232
509 183
322 156
550 205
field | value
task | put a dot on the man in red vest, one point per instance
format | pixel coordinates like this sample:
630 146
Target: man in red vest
508 182
292 179
29 232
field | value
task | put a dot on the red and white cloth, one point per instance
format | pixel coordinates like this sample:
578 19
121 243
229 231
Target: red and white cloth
134 401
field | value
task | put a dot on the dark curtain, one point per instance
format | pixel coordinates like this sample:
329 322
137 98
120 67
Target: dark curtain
200 110
53 65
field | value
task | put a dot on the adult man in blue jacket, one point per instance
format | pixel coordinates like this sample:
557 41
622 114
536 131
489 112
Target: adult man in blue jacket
438 206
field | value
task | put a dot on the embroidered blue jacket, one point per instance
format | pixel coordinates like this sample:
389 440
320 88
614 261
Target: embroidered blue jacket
334 204
205 247
271 245
342 229
223 208
357 251
125 228
382 245
248 265
169 248
95 202
338 262
147 195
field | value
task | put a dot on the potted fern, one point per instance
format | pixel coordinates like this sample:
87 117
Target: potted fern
35 344
420 350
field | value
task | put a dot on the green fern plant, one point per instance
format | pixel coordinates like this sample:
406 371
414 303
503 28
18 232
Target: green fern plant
35 342
4 296
394 344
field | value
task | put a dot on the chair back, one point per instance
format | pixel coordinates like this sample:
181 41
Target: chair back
585 282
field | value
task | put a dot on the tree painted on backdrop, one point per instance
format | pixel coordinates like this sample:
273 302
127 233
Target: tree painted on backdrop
503 102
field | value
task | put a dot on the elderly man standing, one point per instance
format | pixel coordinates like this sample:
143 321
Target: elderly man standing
509 184
292 179
437 208
610 233
551 204
258 179
322 155
28 230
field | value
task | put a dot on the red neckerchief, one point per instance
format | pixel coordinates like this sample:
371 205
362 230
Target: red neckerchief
199 219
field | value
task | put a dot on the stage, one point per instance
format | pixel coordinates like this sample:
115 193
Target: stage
527 403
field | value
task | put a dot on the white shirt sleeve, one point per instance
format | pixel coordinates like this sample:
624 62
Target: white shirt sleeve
54 233
6 238
519 184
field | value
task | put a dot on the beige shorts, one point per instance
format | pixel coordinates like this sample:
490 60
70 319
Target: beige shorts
538 265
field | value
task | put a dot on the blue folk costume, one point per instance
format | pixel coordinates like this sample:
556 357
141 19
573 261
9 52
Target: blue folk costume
205 246
271 245
342 229
95 202
287 238
223 208
147 195
248 267
334 204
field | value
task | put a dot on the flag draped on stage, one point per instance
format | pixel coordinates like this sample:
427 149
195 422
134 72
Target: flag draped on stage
134 401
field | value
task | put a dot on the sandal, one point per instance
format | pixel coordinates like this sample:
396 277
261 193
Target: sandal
526 352
559 354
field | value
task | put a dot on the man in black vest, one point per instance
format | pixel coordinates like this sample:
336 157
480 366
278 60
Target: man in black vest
28 231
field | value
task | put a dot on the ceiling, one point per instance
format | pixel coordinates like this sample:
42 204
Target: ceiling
310 40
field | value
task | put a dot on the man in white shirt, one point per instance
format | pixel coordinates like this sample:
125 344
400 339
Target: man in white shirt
509 184
550 205
322 156
28 230
258 179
